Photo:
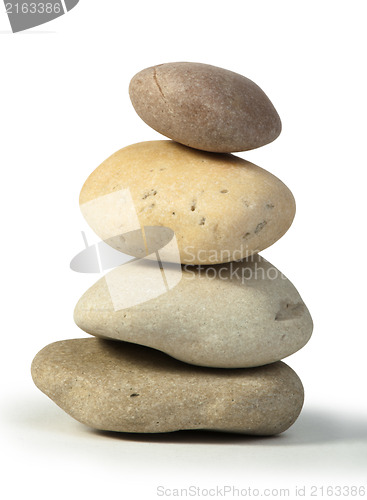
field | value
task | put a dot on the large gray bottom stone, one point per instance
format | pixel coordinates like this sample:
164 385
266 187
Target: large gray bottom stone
117 386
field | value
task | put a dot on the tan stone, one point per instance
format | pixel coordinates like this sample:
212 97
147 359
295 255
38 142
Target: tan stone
234 315
220 207
204 107
123 387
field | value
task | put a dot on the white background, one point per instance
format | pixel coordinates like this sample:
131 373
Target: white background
64 109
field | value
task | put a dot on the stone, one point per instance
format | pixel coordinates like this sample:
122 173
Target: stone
204 107
235 315
116 386
220 207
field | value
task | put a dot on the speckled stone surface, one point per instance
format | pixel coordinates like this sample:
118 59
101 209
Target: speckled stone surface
221 207
123 387
204 107
234 315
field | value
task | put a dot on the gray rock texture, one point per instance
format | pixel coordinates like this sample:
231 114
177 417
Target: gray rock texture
122 387
234 315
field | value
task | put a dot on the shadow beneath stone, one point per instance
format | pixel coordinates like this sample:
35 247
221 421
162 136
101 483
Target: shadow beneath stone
312 427
186 437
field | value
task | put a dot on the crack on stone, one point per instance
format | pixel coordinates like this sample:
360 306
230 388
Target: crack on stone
289 311
157 83
134 395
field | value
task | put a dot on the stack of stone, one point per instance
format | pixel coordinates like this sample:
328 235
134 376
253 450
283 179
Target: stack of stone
201 320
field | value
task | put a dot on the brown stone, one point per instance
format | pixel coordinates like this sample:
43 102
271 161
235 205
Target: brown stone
204 107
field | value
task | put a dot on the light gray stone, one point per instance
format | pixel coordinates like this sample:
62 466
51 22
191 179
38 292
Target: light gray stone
234 315
116 386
